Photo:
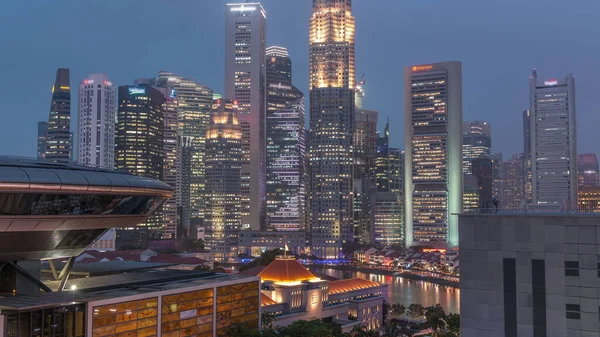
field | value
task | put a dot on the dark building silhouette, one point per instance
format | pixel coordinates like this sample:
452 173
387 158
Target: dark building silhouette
59 142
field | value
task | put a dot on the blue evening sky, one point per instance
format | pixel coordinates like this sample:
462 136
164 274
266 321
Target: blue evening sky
498 42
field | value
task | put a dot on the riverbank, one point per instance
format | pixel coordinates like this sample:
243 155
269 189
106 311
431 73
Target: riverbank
411 276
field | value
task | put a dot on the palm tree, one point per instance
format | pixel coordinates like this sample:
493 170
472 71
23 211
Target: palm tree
434 319
391 330
398 309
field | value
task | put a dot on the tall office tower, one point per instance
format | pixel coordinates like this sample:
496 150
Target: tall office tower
331 76
172 150
553 141
59 142
433 158
587 169
470 192
396 171
388 219
383 160
96 122
496 176
245 82
286 145
365 182
139 140
223 184
194 103
511 190
482 170
477 143
41 139
527 179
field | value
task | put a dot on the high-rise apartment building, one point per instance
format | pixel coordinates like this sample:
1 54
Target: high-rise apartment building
553 141
223 184
59 141
365 181
527 179
587 169
245 82
41 139
286 145
477 143
433 158
96 122
331 81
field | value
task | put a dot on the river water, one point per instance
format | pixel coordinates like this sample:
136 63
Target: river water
407 291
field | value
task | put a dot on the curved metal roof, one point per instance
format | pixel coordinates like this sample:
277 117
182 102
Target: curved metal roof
19 171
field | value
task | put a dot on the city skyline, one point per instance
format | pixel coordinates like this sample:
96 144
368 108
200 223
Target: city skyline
286 33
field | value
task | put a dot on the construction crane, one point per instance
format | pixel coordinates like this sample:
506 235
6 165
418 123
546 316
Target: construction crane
361 81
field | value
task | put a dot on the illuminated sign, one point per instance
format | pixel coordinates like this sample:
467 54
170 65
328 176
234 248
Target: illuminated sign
243 8
173 93
137 91
422 68
64 88
551 82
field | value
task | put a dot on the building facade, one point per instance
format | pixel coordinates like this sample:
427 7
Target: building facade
477 143
245 82
331 82
587 169
41 139
96 122
59 139
254 243
482 170
433 158
529 274
511 186
286 145
588 199
388 219
365 180
527 178
553 141
223 181
139 139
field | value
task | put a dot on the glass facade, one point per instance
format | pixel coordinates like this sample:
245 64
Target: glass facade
59 142
54 322
126 319
76 204
237 304
188 314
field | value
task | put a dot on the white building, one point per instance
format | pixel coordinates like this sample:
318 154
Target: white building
553 141
529 274
433 158
245 82
96 122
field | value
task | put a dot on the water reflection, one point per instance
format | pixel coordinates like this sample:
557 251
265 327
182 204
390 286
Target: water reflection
407 291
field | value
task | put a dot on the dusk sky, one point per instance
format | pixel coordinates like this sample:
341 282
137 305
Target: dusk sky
498 43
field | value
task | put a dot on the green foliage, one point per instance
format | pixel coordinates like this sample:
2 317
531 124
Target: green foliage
415 311
434 319
397 309
267 319
264 260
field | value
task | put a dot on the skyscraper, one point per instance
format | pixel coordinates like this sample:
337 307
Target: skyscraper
331 78
387 219
140 131
477 143
553 141
96 122
470 192
245 82
223 185
496 176
41 139
482 171
587 169
511 186
382 161
139 140
286 145
59 142
365 182
433 158
527 188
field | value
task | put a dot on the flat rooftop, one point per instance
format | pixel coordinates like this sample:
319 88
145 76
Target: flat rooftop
114 286
109 267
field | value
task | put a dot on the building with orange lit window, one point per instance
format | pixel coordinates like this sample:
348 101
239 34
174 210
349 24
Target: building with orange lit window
292 293
332 80
588 199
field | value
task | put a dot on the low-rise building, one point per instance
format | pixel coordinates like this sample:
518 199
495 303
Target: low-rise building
292 292
254 243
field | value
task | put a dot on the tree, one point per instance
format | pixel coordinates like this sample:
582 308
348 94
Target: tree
264 260
453 325
398 309
391 330
415 311
267 319
190 244
386 309
313 327
434 319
